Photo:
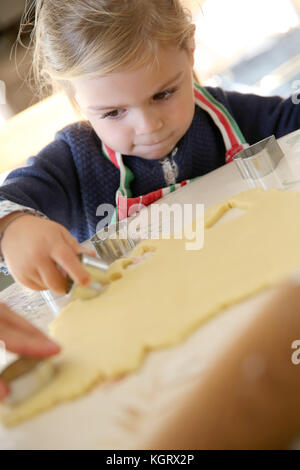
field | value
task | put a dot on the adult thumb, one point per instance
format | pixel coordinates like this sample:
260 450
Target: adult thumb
4 391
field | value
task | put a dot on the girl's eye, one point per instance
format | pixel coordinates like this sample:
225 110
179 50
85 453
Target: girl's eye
115 114
164 94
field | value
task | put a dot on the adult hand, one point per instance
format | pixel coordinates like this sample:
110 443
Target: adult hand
21 337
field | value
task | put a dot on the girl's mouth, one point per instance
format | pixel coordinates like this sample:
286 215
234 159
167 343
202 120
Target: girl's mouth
153 144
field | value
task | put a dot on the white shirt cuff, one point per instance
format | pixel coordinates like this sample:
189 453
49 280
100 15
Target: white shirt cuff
7 207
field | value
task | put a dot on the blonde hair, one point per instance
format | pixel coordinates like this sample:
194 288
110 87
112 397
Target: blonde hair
71 38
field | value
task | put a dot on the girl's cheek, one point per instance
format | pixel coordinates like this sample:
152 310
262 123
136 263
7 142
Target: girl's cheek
103 128
178 110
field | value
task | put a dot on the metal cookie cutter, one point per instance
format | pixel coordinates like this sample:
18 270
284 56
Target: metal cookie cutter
112 242
25 376
98 270
259 159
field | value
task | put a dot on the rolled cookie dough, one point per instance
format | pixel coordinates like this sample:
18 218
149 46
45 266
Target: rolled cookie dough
161 301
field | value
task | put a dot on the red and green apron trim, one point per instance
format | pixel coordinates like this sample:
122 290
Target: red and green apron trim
233 140
124 204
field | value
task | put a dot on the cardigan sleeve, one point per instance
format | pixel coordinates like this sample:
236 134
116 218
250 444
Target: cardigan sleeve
48 184
259 117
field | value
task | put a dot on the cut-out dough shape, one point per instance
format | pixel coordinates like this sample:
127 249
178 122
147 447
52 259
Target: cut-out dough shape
169 295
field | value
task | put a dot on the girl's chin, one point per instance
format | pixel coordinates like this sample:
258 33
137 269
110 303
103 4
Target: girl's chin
154 152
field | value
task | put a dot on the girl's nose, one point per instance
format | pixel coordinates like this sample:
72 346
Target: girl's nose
148 122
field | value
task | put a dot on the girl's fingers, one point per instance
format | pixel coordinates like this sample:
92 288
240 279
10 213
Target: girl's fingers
52 277
67 259
88 252
29 279
32 281
75 245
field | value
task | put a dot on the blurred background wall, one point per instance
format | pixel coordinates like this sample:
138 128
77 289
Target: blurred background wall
249 45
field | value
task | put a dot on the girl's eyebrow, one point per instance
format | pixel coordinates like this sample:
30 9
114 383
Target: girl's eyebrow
119 106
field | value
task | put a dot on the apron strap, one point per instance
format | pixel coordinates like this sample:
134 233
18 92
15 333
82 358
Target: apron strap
126 177
234 140
124 204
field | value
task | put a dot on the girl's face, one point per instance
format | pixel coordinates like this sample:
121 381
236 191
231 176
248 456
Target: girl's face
144 112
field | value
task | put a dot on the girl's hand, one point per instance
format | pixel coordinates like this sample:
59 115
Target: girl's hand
34 247
20 337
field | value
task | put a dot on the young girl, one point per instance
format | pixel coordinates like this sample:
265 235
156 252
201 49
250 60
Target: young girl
149 129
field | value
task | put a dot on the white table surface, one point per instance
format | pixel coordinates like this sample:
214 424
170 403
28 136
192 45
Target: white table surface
124 413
